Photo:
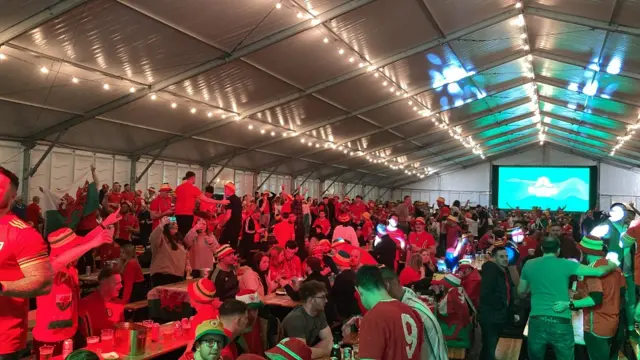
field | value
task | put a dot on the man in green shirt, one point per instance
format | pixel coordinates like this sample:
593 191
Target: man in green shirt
547 278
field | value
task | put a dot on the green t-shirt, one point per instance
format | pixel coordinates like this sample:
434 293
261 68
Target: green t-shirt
548 279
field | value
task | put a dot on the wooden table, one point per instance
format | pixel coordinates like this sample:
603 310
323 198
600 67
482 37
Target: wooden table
154 349
93 277
279 300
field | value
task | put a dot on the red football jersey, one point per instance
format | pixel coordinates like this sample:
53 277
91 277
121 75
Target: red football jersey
20 246
57 312
391 330
423 240
159 204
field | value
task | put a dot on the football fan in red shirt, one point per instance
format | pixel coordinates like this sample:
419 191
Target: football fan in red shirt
421 239
323 222
390 330
114 197
161 206
186 196
25 270
127 194
128 224
57 312
34 213
358 207
292 263
102 309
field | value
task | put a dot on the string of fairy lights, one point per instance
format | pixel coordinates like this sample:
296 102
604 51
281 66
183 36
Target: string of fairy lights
532 91
352 56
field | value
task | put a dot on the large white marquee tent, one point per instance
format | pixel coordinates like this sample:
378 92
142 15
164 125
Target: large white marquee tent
375 97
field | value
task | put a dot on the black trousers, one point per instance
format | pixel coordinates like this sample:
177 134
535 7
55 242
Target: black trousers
185 223
490 336
159 279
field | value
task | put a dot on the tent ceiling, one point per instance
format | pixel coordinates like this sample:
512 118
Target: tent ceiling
368 90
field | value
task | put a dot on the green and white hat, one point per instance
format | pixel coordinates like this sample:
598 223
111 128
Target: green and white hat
591 245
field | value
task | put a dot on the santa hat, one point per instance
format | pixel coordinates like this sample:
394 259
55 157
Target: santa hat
341 258
202 291
62 240
344 218
223 251
591 245
420 220
464 263
290 349
449 281
230 187
250 297
165 187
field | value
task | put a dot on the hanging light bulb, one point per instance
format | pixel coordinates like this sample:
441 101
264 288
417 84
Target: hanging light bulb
44 70
154 96
341 51
325 40
278 6
193 110
174 105
2 56
209 114
75 80
273 133
106 86
262 131
132 89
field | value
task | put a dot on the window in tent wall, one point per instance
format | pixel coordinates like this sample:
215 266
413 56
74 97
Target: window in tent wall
483 199
605 202
170 174
239 181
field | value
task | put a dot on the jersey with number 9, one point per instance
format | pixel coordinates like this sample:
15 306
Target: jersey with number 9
391 331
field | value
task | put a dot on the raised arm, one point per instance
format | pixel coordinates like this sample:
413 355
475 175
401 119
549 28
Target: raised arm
94 175
95 238
209 200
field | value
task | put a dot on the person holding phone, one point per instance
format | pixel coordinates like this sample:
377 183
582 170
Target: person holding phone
168 253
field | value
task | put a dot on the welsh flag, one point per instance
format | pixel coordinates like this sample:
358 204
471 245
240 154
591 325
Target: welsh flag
56 217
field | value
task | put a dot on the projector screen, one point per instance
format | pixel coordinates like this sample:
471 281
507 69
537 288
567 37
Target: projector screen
573 188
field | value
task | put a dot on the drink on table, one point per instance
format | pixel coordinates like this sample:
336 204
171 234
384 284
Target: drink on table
148 324
93 344
167 334
67 348
177 329
335 353
186 327
46 352
106 337
155 332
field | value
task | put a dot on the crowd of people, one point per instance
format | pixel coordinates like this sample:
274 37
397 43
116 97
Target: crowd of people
404 277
